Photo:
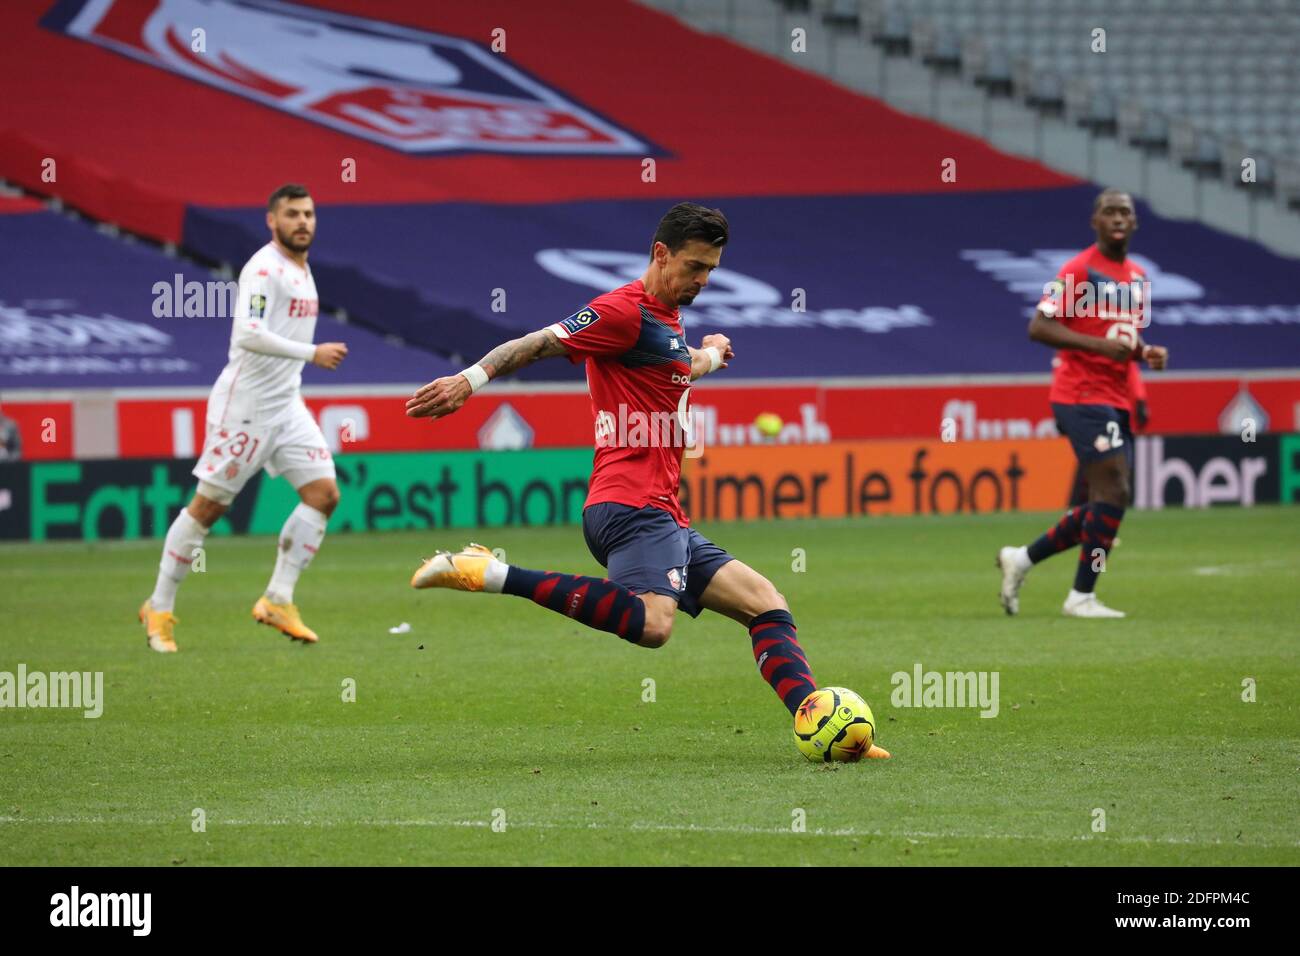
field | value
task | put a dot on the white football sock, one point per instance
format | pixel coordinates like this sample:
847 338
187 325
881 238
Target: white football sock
1022 559
300 539
494 578
183 537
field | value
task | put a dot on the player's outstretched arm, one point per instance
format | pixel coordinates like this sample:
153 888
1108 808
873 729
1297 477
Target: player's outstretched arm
444 395
714 353
1043 328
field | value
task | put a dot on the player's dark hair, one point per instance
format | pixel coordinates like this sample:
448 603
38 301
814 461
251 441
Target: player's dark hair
1109 191
287 191
687 221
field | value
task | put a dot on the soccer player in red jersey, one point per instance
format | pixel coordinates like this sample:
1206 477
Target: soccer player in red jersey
1091 314
639 373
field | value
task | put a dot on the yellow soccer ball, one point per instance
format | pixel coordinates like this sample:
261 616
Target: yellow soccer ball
834 723
769 424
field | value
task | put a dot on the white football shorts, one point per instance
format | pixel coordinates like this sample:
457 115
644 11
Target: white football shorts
294 447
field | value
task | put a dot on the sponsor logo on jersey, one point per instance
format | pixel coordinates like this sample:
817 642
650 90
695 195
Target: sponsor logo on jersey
410 90
580 320
303 308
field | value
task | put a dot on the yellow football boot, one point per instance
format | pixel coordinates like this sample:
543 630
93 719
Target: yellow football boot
284 618
462 571
158 626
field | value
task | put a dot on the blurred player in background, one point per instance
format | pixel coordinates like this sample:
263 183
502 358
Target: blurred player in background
639 368
256 419
1096 334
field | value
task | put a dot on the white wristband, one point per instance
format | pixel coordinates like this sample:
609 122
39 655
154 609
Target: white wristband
715 357
476 377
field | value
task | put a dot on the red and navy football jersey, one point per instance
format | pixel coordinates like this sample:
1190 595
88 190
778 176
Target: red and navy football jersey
639 377
1098 296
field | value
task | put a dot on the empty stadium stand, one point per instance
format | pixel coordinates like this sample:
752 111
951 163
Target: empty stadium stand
1190 103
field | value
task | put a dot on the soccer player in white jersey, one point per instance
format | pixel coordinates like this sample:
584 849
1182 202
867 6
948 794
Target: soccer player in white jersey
257 419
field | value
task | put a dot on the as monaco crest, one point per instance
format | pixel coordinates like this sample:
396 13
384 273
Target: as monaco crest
411 90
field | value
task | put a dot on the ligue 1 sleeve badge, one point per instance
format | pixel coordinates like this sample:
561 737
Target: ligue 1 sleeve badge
580 320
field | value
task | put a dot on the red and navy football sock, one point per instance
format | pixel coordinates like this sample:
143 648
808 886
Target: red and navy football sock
780 658
1099 529
1066 534
596 602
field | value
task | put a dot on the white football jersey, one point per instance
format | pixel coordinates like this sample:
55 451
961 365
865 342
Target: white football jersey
279 296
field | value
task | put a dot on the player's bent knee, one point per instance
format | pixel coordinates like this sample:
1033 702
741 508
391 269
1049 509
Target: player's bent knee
658 625
767 598
657 634
323 496
1114 492
654 639
209 504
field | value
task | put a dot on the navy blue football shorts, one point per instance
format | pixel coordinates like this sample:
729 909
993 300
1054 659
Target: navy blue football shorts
647 551
1095 431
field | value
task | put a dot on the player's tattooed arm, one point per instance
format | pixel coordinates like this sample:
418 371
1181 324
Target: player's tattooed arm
515 354
445 395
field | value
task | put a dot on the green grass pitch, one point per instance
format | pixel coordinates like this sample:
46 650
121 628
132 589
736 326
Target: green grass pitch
491 708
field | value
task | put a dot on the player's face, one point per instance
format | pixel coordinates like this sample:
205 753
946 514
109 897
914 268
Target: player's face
1115 219
686 271
294 223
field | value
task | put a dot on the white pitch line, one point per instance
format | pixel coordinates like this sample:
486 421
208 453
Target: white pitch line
913 835
1243 567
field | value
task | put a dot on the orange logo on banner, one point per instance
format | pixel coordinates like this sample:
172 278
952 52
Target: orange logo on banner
843 479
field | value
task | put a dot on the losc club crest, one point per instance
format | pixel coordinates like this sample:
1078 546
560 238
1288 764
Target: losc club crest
411 90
